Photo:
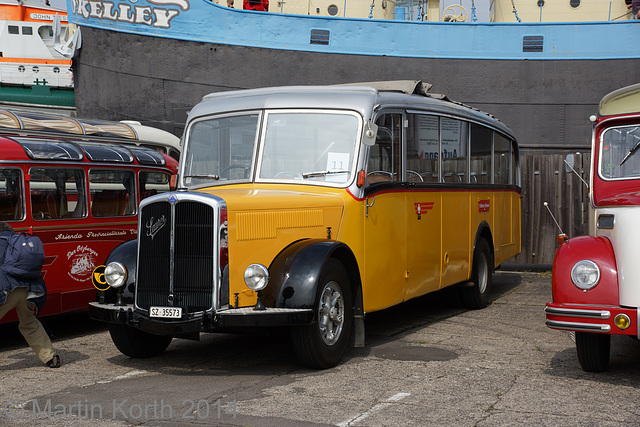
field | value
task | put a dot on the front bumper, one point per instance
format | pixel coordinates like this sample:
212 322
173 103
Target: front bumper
583 318
204 322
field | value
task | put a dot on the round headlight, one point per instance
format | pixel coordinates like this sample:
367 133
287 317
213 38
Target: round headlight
115 274
585 274
256 276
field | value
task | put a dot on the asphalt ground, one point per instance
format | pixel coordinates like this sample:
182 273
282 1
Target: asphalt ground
425 362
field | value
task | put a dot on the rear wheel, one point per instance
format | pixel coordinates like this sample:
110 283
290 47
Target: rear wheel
135 343
593 351
476 296
322 344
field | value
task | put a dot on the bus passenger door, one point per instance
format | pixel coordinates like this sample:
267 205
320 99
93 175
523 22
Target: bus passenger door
385 226
423 205
424 212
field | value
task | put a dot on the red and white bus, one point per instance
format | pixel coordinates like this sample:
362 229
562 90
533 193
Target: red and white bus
595 277
78 192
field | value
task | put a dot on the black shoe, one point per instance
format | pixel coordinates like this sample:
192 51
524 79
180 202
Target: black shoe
54 362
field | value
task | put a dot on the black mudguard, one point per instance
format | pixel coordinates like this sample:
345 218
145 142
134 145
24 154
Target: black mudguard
484 232
295 273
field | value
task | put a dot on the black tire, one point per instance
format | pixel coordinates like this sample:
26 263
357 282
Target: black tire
476 296
322 344
135 343
593 351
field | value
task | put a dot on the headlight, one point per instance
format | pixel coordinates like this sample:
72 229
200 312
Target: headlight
115 274
256 276
585 274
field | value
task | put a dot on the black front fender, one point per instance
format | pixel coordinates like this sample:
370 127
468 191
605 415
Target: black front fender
296 270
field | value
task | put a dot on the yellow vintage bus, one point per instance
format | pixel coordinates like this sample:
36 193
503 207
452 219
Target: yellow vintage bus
312 206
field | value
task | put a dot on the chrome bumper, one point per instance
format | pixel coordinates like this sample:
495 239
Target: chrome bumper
201 322
596 319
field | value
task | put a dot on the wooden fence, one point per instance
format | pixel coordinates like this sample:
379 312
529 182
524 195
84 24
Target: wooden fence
545 179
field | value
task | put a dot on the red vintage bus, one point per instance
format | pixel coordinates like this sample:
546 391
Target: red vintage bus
595 277
78 191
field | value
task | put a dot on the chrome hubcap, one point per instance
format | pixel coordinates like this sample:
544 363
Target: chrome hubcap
331 313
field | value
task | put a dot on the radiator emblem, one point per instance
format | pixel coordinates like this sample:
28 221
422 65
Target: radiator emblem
154 226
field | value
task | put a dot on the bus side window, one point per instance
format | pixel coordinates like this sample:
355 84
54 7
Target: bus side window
384 157
56 192
422 148
502 159
152 183
112 192
480 154
11 194
453 149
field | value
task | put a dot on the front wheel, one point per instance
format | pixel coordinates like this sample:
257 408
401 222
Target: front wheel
322 344
593 351
476 296
135 343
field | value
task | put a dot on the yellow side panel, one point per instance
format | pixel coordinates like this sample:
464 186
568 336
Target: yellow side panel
481 207
385 251
501 210
457 247
516 200
506 230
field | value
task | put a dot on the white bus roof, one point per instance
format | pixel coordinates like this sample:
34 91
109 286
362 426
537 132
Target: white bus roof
625 100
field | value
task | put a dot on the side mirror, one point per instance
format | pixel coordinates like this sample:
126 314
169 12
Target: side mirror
370 133
568 167
568 163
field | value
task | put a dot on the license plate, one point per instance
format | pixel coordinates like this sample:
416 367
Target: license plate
166 312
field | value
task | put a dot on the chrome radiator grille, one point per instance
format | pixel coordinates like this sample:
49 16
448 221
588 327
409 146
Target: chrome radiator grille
177 256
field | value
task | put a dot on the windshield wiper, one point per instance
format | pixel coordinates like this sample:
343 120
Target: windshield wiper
212 176
630 153
320 173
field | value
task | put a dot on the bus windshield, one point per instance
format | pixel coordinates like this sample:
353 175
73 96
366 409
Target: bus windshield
619 157
309 146
300 146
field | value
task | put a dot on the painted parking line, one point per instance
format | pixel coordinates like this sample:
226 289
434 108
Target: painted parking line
395 398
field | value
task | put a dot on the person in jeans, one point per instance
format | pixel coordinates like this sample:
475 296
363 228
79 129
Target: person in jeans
17 293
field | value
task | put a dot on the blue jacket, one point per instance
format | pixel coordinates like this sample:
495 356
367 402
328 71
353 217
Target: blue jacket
36 287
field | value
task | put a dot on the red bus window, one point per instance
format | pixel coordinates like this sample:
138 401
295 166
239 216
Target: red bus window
11 194
112 192
57 193
152 183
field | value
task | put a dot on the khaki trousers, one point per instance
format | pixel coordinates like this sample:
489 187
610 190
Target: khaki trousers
30 327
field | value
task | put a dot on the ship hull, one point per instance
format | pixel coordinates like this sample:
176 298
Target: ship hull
546 102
